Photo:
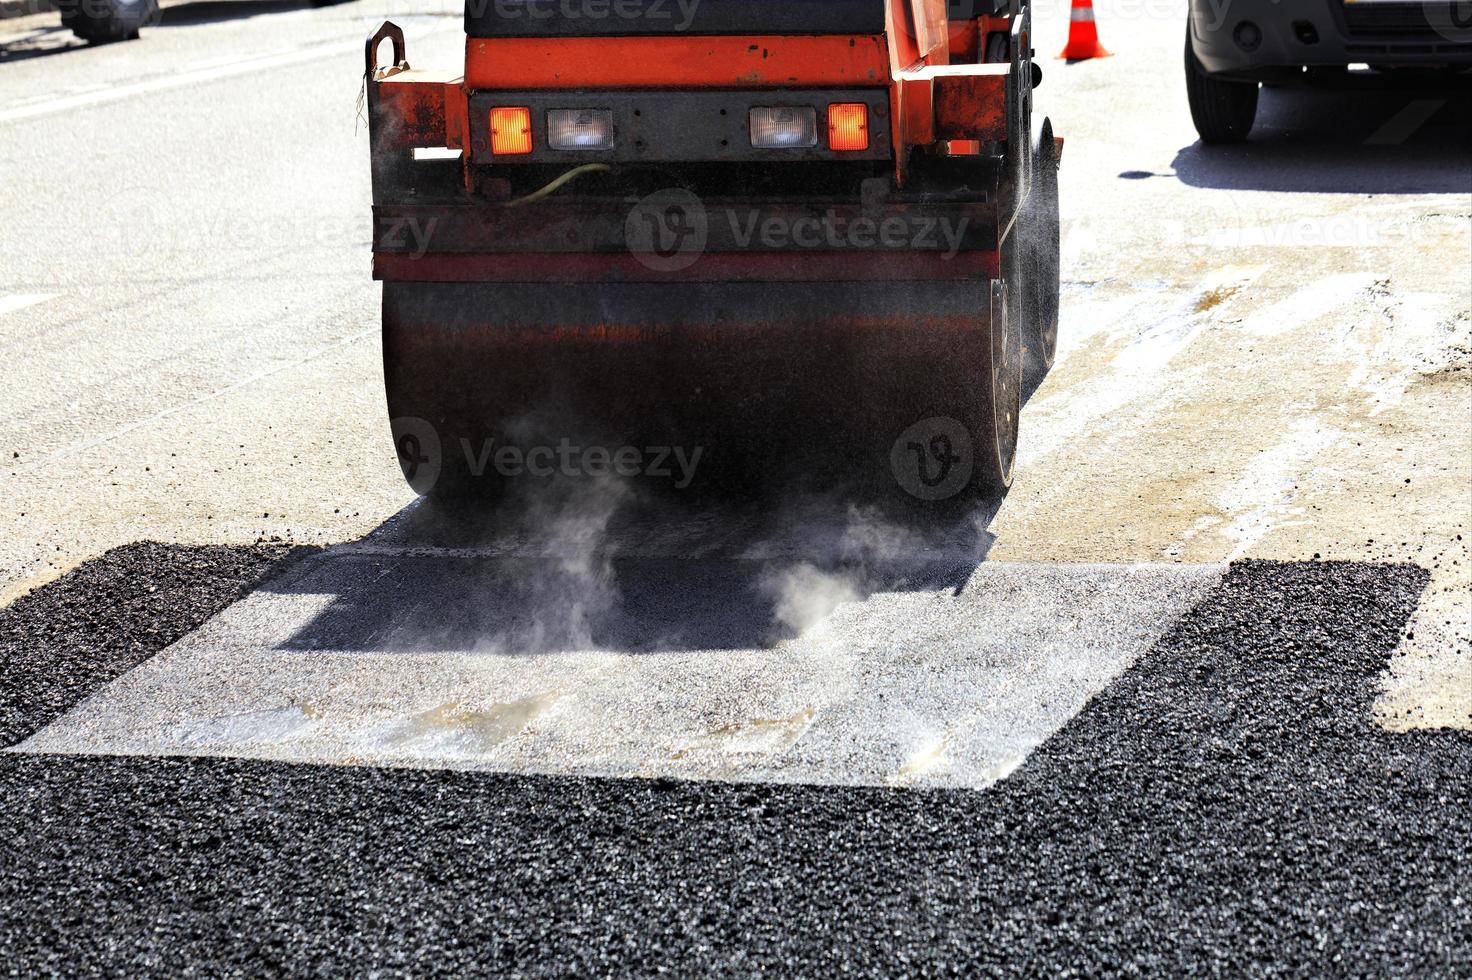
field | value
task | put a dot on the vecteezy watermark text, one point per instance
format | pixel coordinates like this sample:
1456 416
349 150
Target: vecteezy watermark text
407 233
669 230
567 459
833 230
676 15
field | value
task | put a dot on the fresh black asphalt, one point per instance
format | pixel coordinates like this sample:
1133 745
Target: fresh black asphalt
1227 806
61 642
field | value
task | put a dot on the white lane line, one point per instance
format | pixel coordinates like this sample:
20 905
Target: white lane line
1401 126
230 69
441 662
19 301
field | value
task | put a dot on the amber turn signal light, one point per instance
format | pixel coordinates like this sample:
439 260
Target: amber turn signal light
848 126
511 130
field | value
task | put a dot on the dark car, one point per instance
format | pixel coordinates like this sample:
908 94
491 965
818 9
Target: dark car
105 21
1232 46
101 21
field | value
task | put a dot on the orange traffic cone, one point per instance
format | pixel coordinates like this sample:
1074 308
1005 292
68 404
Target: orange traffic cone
1083 36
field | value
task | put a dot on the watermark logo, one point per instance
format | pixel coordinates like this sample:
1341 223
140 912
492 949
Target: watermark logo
422 458
418 447
668 230
832 230
669 16
406 234
933 458
133 224
566 458
1452 21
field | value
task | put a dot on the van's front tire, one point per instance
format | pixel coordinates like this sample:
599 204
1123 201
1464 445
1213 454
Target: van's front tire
1222 109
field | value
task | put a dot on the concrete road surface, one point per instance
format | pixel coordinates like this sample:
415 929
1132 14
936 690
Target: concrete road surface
1197 697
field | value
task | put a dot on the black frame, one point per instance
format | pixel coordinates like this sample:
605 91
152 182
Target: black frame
678 127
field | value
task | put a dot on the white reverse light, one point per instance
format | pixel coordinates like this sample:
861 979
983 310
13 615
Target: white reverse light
778 127
579 129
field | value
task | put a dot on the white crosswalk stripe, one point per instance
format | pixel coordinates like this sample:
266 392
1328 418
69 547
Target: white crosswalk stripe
10 303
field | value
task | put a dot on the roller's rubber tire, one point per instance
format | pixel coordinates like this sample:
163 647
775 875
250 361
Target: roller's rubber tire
1040 266
106 21
1223 110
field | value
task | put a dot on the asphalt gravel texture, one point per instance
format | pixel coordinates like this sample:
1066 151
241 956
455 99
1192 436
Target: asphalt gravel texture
65 640
1226 806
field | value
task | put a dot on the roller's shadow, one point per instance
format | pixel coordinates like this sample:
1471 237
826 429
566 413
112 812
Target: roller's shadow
1367 133
519 581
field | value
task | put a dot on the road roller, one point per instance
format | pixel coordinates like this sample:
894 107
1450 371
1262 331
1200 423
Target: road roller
735 247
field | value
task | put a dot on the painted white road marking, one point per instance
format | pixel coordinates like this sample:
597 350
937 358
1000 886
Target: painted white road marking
451 663
19 301
204 73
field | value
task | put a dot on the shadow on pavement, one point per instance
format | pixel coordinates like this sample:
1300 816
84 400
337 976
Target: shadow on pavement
641 580
40 43
1367 134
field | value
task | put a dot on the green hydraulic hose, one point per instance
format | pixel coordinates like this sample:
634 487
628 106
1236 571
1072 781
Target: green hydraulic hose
541 192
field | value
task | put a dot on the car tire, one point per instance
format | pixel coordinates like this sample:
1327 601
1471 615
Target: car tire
105 21
1222 109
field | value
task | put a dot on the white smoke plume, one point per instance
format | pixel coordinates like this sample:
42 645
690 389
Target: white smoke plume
825 564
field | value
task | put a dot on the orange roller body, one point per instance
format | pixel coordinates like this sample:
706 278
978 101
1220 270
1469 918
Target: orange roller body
787 235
